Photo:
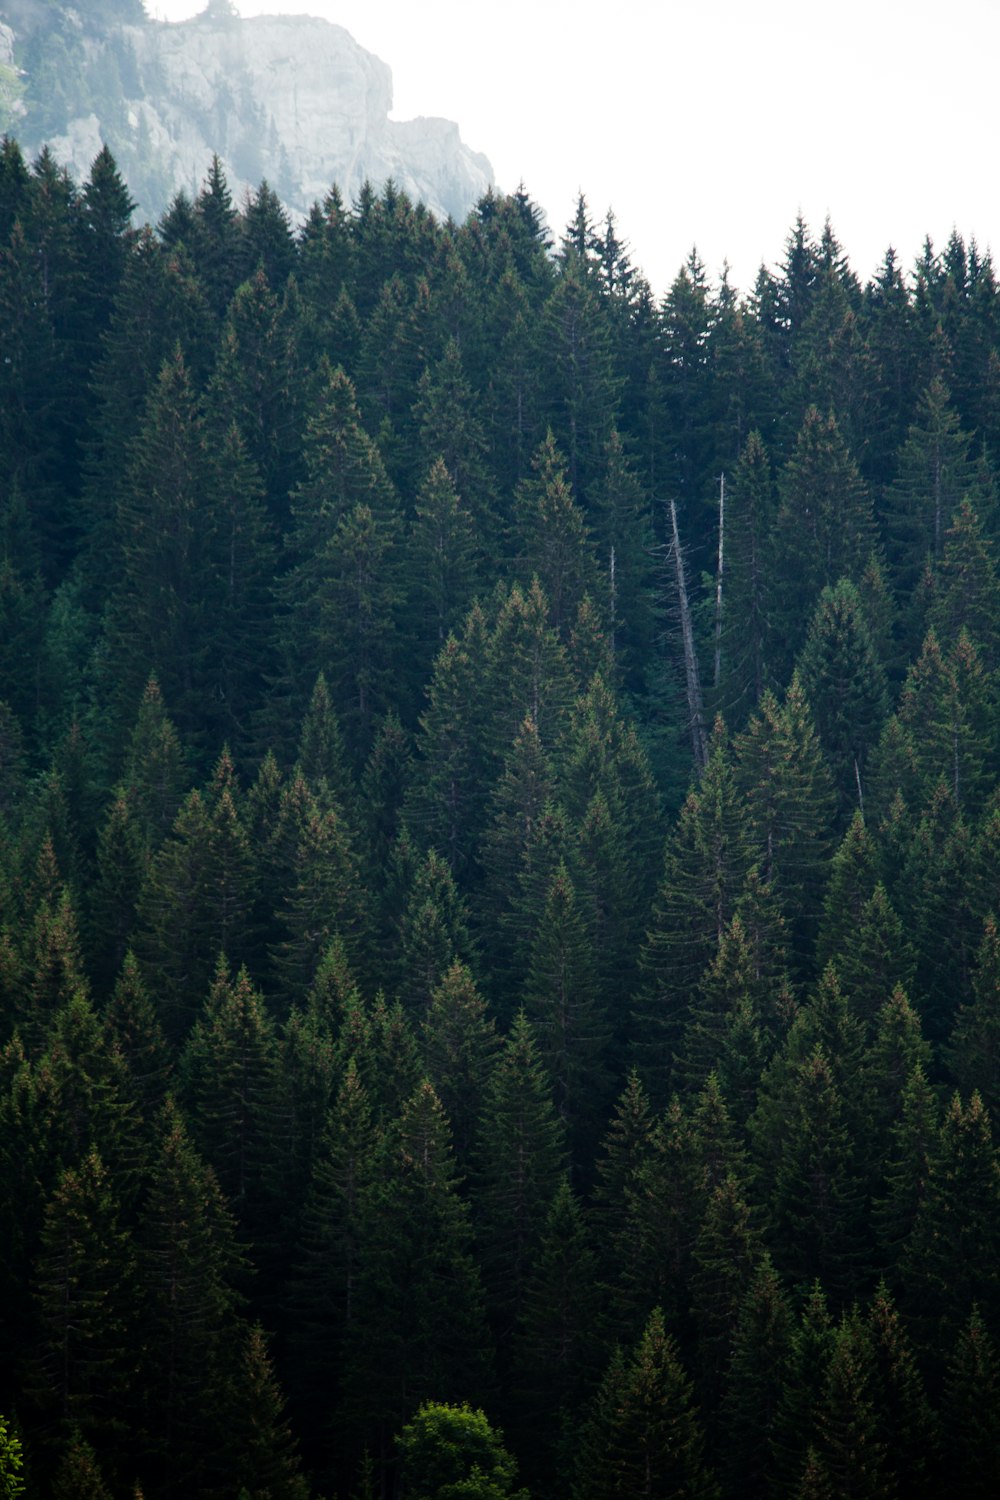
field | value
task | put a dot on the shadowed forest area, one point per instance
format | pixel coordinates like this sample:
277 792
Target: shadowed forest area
499 859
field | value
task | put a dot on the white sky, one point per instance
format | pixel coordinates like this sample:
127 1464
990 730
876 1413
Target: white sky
709 123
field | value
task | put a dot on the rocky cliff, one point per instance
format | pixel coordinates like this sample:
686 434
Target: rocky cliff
291 99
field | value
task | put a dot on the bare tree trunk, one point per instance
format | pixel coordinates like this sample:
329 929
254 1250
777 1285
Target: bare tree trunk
718 583
696 707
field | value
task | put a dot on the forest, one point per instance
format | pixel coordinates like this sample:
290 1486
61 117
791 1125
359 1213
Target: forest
499 858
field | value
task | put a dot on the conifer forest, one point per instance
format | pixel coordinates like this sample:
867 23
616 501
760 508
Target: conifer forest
499 859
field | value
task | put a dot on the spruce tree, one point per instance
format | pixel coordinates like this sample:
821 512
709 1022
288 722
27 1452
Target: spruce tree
650 1431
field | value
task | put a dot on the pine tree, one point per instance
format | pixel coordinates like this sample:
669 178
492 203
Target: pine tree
83 1291
966 589
842 676
749 517
131 1023
852 1458
517 1166
796 1423
450 433
261 1451
324 900
622 1154
951 1258
555 1353
321 755
649 1430
571 1028
187 1265
323 1289
448 796
824 529
784 778
933 476
460 1044
420 1325
817 1206
663 1199
761 1350
228 1073
446 554
972 1431
154 774
908 1427
878 960
433 934
551 538
906 1172
162 573
724 1257
706 862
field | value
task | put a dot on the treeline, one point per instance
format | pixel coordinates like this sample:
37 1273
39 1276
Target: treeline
472 930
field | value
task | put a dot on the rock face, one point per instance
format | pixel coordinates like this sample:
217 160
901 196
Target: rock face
291 99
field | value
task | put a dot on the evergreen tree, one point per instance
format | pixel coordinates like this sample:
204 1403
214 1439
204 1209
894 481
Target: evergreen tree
561 1001
824 529
84 1298
228 1072
745 667
789 793
187 1262
555 1354
420 1324
950 1259
517 1166
645 1434
262 1459
843 677
706 861
460 1046
755 1380
323 1290
550 536
972 1432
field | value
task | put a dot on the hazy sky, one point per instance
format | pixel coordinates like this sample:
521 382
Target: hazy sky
708 123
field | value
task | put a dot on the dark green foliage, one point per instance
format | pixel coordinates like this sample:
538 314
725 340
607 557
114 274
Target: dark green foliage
187 1262
517 1167
824 529
755 1379
270 518
261 1450
972 1440
420 1324
842 675
951 1255
561 1001
644 1431
450 1452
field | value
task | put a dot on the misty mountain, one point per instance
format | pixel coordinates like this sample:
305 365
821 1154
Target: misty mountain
291 99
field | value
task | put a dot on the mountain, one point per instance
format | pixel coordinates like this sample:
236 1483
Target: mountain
291 99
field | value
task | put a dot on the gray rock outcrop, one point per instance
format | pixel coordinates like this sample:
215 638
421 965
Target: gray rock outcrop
291 99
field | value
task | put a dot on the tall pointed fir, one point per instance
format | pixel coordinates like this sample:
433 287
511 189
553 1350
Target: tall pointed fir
420 1330
645 1434
706 862
187 1263
824 529
517 1166
569 1020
